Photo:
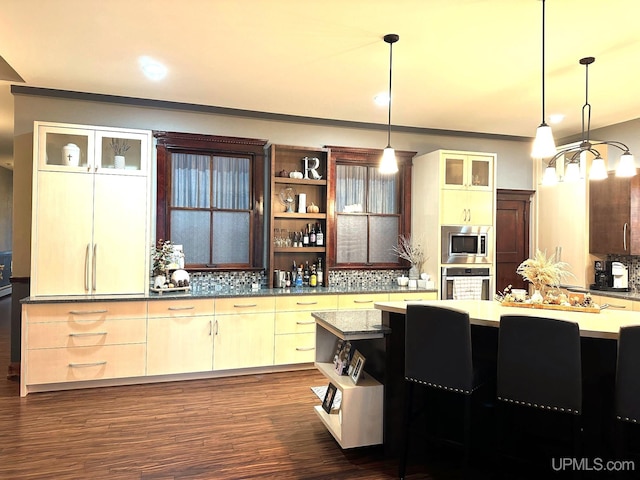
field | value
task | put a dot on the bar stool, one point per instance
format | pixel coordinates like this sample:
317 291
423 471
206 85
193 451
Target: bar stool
627 403
539 367
438 355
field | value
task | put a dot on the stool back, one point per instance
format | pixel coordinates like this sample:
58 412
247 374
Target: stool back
438 348
628 375
539 363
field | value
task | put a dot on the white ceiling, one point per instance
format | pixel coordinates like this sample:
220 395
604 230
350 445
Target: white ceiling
467 65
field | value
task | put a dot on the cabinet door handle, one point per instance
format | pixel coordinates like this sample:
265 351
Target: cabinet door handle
624 237
180 308
92 364
305 349
216 328
469 214
362 301
86 269
306 303
88 334
95 254
210 327
87 312
310 322
246 305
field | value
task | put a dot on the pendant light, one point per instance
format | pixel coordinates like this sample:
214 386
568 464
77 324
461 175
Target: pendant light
543 145
598 171
389 164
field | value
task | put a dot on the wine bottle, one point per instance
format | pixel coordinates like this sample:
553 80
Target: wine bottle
319 235
312 235
305 237
319 272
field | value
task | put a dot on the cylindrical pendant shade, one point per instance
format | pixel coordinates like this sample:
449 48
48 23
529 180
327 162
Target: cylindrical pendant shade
598 169
388 164
550 177
626 166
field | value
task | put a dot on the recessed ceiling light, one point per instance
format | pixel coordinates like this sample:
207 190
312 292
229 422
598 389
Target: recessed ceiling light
382 99
556 117
153 69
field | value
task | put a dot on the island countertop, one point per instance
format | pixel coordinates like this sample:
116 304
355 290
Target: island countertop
353 324
605 324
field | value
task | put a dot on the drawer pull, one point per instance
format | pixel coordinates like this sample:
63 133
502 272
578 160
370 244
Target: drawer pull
362 301
88 334
305 349
181 308
92 364
412 300
87 312
306 303
246 305
310 322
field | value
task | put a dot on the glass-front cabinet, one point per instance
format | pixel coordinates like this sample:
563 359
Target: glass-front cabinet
90 149
474 172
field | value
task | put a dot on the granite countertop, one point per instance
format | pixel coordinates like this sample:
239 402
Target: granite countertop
228 292
635 296
353 324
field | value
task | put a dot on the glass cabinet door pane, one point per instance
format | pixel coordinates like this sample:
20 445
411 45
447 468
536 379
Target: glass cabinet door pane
480 172
66 149
454 171
121 151
351 231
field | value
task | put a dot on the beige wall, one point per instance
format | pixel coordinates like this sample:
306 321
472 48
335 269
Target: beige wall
6 208
513 168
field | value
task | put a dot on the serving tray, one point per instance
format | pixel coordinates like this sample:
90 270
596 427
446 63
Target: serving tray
547 306
174 289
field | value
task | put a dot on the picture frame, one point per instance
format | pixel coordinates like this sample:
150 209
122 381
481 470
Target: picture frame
357 366
329 397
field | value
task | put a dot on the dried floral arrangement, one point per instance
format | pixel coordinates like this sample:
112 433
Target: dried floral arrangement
543 271
410 250
119 146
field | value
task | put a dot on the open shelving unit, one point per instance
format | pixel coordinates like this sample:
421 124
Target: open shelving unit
359 420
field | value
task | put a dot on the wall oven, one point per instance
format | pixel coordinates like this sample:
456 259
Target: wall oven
466 244
466 283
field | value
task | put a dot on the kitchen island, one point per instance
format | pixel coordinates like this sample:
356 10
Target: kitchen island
598 331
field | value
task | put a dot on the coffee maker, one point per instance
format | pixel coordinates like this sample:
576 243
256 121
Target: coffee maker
611 275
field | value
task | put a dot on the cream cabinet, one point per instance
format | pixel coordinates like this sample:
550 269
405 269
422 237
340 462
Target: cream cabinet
466 171
295 337
90 221
562 220
412 296
79 342
180 338
243 332
358 301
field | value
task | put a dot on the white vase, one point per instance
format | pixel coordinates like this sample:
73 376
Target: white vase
414 273
537 297
118 161
159 281
71 155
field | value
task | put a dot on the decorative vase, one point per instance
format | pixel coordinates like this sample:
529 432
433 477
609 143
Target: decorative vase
159 281
536 297
414 272
71 155
118 161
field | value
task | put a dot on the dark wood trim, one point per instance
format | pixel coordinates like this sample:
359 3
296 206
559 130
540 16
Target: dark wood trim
371 157
168 142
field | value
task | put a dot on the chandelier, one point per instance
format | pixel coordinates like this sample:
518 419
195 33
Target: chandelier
572 155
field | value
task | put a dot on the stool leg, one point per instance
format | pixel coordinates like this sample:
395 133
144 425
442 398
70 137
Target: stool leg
467 435
408 401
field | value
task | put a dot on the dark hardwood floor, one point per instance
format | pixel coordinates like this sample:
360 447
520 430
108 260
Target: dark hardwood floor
256 426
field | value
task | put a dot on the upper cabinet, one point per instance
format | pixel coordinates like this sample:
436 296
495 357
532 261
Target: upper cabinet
614 213
467 171
90 221
298 208
81 148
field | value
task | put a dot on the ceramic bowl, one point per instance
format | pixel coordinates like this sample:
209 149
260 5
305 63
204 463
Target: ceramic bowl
519 294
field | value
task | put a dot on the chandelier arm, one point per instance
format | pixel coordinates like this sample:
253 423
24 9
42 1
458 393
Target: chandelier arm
619 145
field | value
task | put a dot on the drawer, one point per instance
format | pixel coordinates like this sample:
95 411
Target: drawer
54 365
360 300
241 305
412 296
72 311
314 303
295 348
295 322
180 308
84 333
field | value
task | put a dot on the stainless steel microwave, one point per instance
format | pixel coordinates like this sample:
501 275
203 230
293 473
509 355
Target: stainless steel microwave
467 244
